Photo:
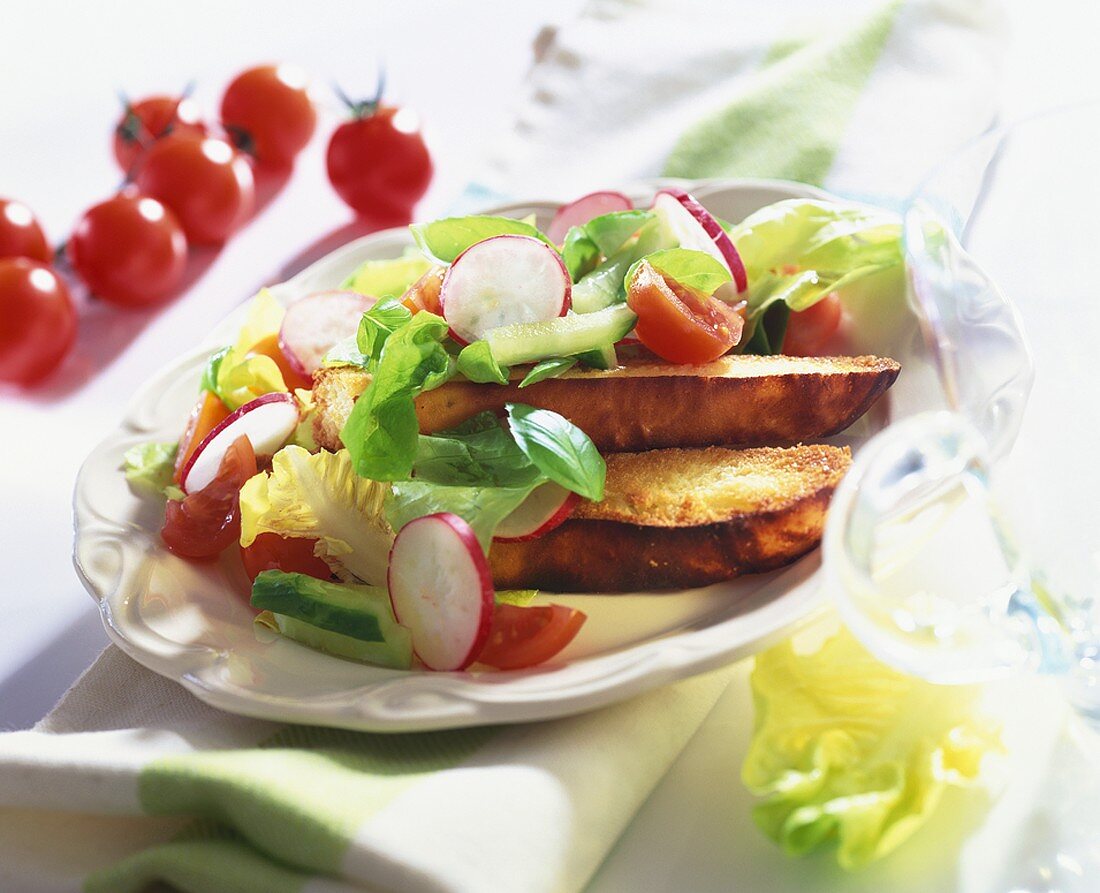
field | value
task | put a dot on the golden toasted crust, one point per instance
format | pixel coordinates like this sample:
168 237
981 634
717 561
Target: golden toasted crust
682 518
742 400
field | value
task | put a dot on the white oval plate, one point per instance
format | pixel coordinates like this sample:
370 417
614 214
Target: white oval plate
190 622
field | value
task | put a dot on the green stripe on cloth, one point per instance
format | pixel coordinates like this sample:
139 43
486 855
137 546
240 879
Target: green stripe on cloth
791 116
296 799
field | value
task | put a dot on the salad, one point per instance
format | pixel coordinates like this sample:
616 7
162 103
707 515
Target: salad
377 551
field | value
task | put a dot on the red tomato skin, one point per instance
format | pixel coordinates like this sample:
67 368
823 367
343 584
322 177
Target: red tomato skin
809 330
206 182
39 320
268 112
293 555
21 235
150 119
379 164
525 637
203 524
129 250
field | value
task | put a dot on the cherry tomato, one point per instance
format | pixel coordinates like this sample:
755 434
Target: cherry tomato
808 330
205 181
268 113
130 250
206 415
39 321
294 555
147 120
269 347
378 162
204 523
424 293
21 234
678 324
523 637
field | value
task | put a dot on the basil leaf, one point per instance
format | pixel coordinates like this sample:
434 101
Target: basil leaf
548 369
446 239
477 364
606 285
483 508
346 353
481 453
694 270
210 372
149 467
767 335
378 323
382 430
579 252
609 232
561 450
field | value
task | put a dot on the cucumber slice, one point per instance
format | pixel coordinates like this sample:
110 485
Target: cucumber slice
600 358
564 336
396 654
362 613
605 285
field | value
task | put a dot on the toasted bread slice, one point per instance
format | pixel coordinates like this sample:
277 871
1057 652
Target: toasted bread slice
645 404
682 518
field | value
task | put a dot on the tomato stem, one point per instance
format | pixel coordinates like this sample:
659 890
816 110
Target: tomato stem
363 108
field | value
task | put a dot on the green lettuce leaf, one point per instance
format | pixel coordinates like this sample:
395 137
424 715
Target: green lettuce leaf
377 324
387 278
239 378
610 232
321 497
797 251
579 253
381 431
483 508
695 270
446 239
848 750
149 467
480 452
521 598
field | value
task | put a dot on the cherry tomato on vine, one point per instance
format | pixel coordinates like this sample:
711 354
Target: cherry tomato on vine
293 555
204 180
21 235
678 324
378 162
148 120
129 250
39 322
202 524
808 330
268 113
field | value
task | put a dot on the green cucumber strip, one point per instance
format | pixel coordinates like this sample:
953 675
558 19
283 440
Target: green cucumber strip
600 357
563 336
396 654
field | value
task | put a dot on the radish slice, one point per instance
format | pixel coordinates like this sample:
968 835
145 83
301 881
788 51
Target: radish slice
267 422
441 590
501 281
579 212
694 227
548 505
315 323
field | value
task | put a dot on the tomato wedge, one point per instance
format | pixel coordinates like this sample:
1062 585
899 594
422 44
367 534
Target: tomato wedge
424 293
294 555
678 324
524 637
206 522
269 347
208 413
808 330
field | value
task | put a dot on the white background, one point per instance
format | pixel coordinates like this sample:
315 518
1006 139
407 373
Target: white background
460 66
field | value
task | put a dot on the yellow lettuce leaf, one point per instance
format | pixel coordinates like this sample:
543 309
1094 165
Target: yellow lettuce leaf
242 378
321 497
847 749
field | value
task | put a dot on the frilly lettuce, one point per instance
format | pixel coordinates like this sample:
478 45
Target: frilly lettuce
149 467
240 378
846 748
391 277
320 496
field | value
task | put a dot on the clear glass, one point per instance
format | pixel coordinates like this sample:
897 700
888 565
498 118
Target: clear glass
965 545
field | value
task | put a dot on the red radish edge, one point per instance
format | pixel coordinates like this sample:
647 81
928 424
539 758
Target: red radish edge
285 344
543 521
448 280
466 541
714 230
579 211
233 417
